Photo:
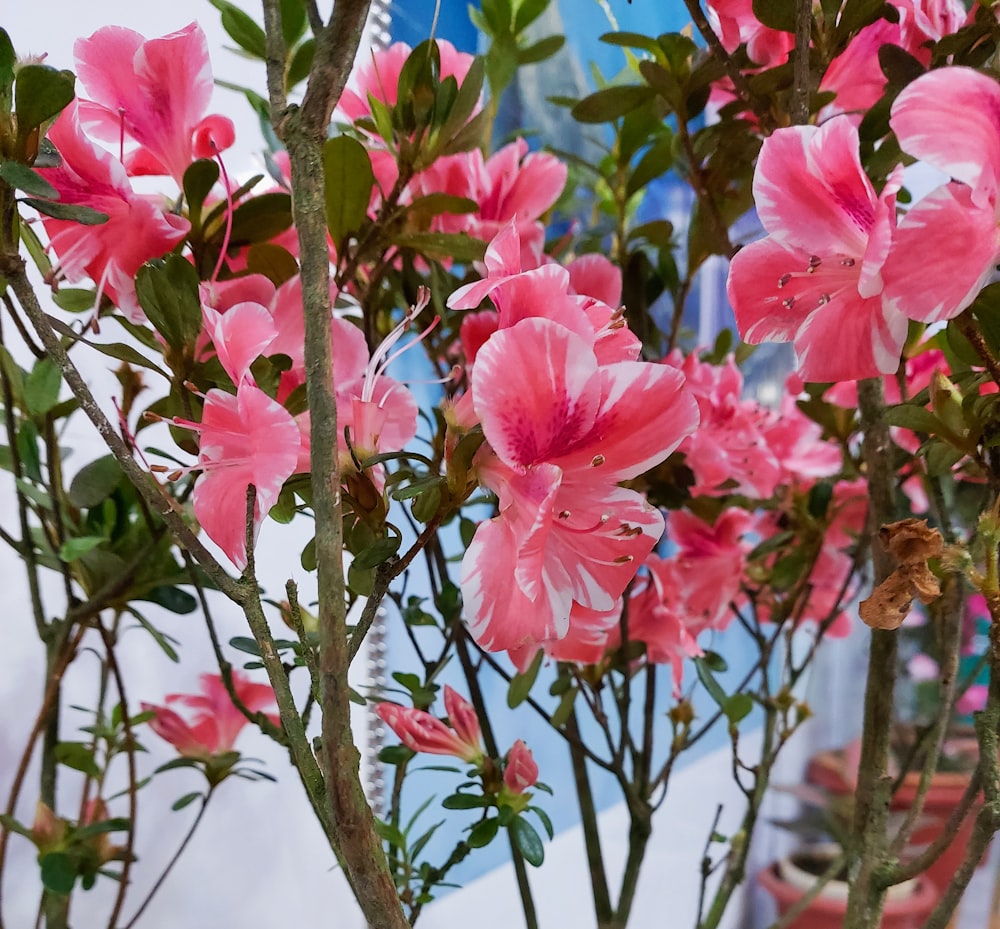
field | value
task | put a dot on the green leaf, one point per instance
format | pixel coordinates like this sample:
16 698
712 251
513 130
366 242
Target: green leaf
241 28
95 482
737 707
395 754
261 219
539 51
543 817
40 92
459 801
483 832
633 40
913 417
74 299
21 177
41 387
348 179
79 756
387 832
168 293
8 58
117 824
299 66
27 449
243 643
526 12
458 246
72 549
172 598
521 684
83 215
58 872
528 842
565 708
776 14
199 179
377 553
710 683
715 662
360 580
293 20
162 640
186 800
654 163
612 103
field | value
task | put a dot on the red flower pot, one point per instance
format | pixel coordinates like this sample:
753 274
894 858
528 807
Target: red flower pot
947 787
908 912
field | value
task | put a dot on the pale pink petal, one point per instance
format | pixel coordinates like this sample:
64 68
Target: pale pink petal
596 276
240 336
945 250
811 192
644 414
950 118
535 390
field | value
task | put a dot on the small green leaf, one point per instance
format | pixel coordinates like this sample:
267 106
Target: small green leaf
95 482
483 832
612 103
301 63
911 416
348 179
243 643
83 215
74 299
79 756
40 92
539 51
186 800
737 707
776 14
395 754
387 832
241 28
521 684
456 246
528 842
72 549
710 683
543 818
58 872
460 801
21 177
41 387
168 293
199 179
160 638
377 553
172 598
261 218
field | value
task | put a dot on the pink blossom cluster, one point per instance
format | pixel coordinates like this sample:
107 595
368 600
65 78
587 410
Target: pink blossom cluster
836 274
568 412
152 96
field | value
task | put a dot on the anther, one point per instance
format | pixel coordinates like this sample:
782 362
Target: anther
564 514
814 262
847 262
597 461
788 303
784 279
824 299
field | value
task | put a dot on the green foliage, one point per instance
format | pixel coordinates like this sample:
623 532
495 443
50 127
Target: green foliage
348 180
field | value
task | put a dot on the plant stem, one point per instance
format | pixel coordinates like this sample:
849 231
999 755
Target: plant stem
868 852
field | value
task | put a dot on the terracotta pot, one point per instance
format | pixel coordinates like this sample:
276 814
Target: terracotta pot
947 787
827 911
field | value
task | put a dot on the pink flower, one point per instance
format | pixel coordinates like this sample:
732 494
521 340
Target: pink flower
949 118
245 439
156 91
658 618
922 667
736 24
973 700
214 722
378 76
509 186
728 452
422 732
816 279
137 229
521 771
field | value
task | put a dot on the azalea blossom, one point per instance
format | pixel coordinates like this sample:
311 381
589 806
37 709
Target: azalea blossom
138 227
156 92
212 723
949 118
816 279
421 732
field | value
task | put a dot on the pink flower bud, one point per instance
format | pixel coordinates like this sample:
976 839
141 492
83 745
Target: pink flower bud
462 717
521 771
424 733
48 830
